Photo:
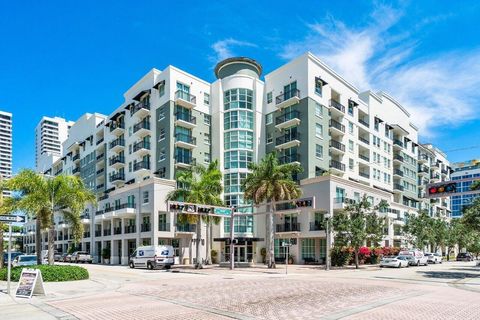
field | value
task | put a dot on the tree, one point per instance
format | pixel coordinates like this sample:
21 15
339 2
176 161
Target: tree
439 234
270 182
358 223
198 184
471 215
41 196
474 245
418 229
475 185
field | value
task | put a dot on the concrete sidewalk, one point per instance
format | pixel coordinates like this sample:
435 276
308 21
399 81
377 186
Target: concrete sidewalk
25 309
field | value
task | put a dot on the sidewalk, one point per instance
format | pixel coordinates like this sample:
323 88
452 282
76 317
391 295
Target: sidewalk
23 309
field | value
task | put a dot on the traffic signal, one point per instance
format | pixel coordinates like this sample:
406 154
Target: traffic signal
440 189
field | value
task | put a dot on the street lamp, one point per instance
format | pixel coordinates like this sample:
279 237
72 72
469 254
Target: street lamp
327 217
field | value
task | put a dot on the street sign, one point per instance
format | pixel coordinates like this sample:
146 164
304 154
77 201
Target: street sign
222 211
11 219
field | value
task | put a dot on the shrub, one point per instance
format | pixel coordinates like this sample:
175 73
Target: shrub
106 253
53 273
340 256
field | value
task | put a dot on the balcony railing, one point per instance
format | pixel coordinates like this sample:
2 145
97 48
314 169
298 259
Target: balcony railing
100 156
100 186
76 157
116 159
98 233
435 176
141 145
100 171
337 145
365 123
317 226
100 141
164 227
141 125
117 142
337 125
99 212
287 117
107 232
398 142
105 196
117 177
183 116
398 157
397 186
185 138
116 125
287 95
337 105
141 165
398 172
288 227
337 165
130 229
141 105
186 227
361 156
117 230
364 174
145 227
423 169
287 138
185 160
289 158
76 170
179 94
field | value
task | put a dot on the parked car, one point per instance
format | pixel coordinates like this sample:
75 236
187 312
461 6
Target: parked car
57 255
152 257
65 257
45 256
394 262
81 256
464 256
414 257
433 258
25 260
13 255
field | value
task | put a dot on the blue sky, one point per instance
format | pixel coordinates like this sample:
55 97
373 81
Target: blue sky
65 58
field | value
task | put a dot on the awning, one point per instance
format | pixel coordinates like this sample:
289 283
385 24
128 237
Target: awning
406 139
388 126
160 83
319 80
240 239
82 143
129 106
140 94
378 120
355 103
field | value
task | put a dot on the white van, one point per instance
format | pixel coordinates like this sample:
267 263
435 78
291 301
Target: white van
152 257
415 257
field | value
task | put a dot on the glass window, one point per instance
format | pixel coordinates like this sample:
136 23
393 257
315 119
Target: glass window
308 248
319 151
161 135
269 137
318 86
206 157
350 127
161 155
318 130
161 90
238 99
206 138
318 110
238 119
350 145
269 118
269 97
239 139
161 114
145 196
207 119
237 159
350 109
351 164
206 99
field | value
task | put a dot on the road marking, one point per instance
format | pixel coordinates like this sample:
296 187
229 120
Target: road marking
370 306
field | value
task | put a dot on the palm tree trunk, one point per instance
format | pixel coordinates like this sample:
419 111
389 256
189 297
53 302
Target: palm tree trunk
38 240
199 238
51 242
271 235
356 257
207 243
1 246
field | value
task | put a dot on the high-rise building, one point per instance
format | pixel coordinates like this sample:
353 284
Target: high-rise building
349 143
470 171
50 133
5 147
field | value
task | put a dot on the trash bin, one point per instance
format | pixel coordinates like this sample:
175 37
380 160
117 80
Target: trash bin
186 260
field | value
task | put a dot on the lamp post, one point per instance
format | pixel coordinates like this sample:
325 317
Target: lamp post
327 217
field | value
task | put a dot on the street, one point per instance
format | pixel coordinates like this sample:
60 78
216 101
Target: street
443 291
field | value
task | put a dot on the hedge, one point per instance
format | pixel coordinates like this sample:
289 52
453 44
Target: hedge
53 273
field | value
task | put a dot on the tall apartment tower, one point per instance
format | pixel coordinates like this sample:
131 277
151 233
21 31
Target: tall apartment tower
5 147
50 133
464 170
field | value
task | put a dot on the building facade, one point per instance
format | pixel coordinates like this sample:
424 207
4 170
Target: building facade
464 170
349 143
50 133
5 147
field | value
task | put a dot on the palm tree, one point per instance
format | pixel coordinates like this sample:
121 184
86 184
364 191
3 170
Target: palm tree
270 182
42 196
201 185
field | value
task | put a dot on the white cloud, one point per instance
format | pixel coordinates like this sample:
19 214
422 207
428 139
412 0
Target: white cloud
224 48
438 91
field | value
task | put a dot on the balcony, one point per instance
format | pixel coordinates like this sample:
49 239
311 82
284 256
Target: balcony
98 233
397 143
336 146
287 98
423 170
185 120
364 158
337 126
364 174
59 171
141 148
184 161
398 172
398 158
423 158
100 186
142 128
99 212
116 162
117 177
363 122
317 226
141 109
185 141
117 145
100 171
117 128
107 232
287 120
117 230
105 196
287 227
435 165
142 165
76 170
289 158
185 99
145 227
444 172
76 157
100 156
362 139
337 106
397 188
185 228
337 166
289 140
165 227
130 229
100 141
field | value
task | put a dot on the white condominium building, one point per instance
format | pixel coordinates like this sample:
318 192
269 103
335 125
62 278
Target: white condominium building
50 133
349 143
5 147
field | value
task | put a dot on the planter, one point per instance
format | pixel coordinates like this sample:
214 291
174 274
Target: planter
290 260
106 261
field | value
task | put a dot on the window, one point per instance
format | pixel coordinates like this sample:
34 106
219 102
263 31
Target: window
318 130
129 149
206 99
162 172
206 157
237 159
238 140
350 109
145 196
308 248
161 135
238 99
130 166
238 119
269 118
350 127
319 151
269 137
351 164
318 110
269 97
207 119
206 138
130 131
161 114
161 90
318 86
233 181
161 155
350 145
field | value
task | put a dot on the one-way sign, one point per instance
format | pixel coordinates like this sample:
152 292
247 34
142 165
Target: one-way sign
10 219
